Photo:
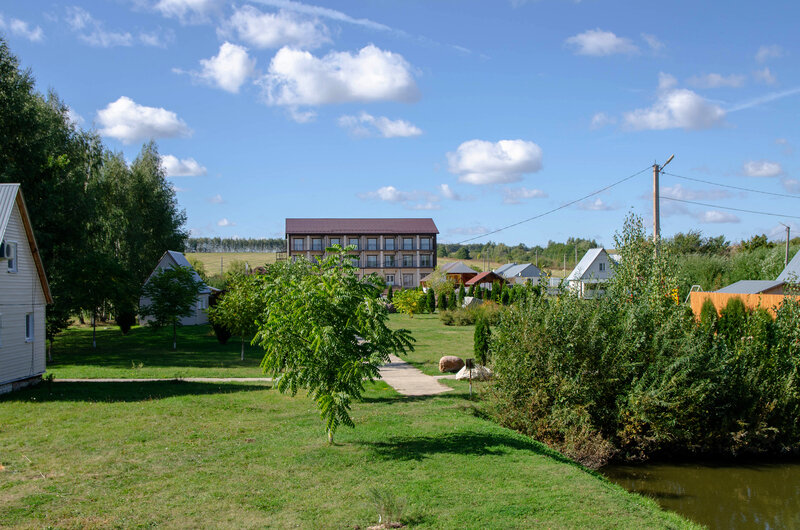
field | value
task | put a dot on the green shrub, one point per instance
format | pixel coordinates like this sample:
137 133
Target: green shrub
125 320
442 305
390 293
708 316
431 300
732 321
481 341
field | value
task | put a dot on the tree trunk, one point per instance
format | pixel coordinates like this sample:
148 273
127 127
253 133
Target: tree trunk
243 348
94 330
330 436
174 337
50 351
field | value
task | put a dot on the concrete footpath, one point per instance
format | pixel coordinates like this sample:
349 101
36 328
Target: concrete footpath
410 381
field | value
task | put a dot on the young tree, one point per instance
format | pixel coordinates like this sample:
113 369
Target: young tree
505 298
471 291
462 253
461 294
481 340
239 309
451 301
325 330
390 293
431 300
173 294
442 305
410 301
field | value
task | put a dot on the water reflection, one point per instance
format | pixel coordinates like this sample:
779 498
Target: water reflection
740 496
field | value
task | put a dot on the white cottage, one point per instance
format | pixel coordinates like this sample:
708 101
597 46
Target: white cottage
594 269
172 258
24 293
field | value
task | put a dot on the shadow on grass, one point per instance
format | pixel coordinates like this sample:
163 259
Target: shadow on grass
399 398
123 392
461 443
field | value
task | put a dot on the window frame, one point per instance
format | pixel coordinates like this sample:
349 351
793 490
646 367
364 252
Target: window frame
389 240
411 245
335 241
390 279
373 245
427 258
409 258
301 241
372 261
13 262
357 244
389 261
30 332
316 240
425 243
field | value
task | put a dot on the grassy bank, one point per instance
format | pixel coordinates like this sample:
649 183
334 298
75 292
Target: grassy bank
212 260
434 340
244 456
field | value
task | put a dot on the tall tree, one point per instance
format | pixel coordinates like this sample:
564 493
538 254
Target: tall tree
172 295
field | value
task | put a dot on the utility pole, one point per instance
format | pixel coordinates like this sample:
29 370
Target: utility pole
656 203
576 255
565 263
537 257
786 259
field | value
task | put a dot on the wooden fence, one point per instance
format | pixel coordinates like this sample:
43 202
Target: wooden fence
751 301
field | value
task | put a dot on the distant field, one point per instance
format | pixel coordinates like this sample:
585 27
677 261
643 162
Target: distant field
212 260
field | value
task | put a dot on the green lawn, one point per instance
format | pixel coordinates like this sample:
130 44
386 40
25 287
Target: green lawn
182 454
191 455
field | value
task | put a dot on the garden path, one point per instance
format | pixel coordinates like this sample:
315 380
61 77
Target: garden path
410 381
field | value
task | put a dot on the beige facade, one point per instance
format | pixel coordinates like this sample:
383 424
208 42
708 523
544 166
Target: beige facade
23 297
402 259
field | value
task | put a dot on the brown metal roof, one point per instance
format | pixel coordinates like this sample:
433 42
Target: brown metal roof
485 277
361 226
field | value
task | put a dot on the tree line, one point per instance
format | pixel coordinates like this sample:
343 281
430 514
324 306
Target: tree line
227 244
101 224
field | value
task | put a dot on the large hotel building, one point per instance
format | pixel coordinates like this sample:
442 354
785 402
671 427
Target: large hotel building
401 250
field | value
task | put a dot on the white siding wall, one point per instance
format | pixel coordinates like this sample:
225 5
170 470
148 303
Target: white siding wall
20 293
200 316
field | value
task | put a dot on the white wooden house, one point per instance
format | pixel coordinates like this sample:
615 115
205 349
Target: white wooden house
172 258
24 294
592 271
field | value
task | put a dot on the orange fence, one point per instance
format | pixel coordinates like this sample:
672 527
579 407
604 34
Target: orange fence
751 301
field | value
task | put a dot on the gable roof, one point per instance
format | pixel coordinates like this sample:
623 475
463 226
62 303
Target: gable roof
11 194
583 265
178 259
792 270
523 270
750 286
485 277
351 226
502 268
457 267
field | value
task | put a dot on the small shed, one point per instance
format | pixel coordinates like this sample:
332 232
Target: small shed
173 258
486 279
594 269
520 273
456 272
24 294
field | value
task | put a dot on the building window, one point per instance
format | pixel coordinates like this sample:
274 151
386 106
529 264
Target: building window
372 261
602 267
29 327
388 261
408 243
11 252
390 279
353 242
388 243
408 261
335 241
408 280
425 260
316 243
425 243
297 244
372 243
354 262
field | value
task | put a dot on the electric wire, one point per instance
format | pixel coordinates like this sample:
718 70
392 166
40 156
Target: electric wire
548 212
740 188
730 208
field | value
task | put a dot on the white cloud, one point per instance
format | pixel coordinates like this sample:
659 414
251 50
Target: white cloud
651 40
157 39
601 119
716 216
768 52
92 32
482 162
679 192
273 30
761 168
765 76
297 78
126 120
20 28
597 42
675 108
449 194
787 147
228 70
714 80
188 11
596 205
74 117
187 167
413 200
367 125
517 195
791 185
469 230
216 199
225 222
772 96
178 189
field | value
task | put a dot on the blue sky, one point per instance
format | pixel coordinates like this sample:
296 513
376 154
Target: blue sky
478 114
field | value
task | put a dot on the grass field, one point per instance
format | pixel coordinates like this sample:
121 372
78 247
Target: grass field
218 455
211 260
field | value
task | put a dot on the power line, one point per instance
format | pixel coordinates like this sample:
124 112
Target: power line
548 212
729 208
731 186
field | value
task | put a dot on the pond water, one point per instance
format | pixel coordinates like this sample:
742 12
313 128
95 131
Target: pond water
735 496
